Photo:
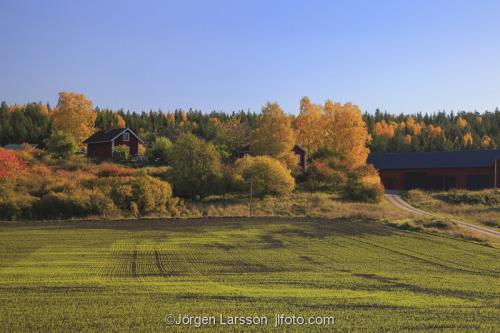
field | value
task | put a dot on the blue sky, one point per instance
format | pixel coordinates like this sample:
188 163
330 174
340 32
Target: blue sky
399 56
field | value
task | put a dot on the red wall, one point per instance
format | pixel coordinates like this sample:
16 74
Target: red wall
102 150
133 143
105 149
395 179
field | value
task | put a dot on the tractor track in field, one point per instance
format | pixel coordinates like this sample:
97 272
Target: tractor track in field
395 199
134 264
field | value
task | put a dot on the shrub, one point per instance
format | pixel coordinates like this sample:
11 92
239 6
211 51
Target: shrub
121 153
358 191
61 145
107 169
160 150
142 194
486 197
73 163
267 175
196 167
320 175
11 165
78 202
15 206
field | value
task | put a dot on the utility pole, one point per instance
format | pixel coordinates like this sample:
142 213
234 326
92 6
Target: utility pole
251 195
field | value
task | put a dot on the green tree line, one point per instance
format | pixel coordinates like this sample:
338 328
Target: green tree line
31 123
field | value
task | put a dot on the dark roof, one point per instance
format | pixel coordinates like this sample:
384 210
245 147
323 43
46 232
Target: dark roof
436 159
109 135
246 149
297 147
19 146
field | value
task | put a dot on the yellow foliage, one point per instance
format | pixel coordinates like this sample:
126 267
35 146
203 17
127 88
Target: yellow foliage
345 132
232 132
184 117
479 119
274 135
407 139
74 116
120 122
382 128
170 118
487 142
461 122
468 139
414 127
267 175
308 125
434 130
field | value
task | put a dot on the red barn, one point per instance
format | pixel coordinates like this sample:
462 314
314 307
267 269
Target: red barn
467 169
101 144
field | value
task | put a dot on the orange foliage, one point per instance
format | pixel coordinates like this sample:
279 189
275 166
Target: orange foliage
414 127
11 165
345 132
468 139
120 122
110 169
461 122
487 142
407 139
309 126
434 130
382 128
74 116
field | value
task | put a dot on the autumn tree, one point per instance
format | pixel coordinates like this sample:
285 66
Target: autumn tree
160 150
265 174
61 145
487 142
345 132
308 125
120 122
74 116
196 167
274 134
382 128
461 122
468 139
231 135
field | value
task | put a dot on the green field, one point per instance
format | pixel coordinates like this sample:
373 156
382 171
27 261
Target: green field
127 276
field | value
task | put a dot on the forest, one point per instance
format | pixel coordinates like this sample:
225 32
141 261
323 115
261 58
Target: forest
31 123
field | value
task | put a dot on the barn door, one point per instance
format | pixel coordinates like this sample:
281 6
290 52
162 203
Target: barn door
415 180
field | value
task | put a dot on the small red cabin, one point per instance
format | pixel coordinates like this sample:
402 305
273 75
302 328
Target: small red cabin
101 144
439 170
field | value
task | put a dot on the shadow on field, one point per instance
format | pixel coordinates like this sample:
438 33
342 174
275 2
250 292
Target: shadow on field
299 226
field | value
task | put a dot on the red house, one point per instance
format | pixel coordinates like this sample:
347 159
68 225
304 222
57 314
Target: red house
101 144
440 170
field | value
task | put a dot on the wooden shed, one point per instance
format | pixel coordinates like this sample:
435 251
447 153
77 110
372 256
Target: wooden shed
101 144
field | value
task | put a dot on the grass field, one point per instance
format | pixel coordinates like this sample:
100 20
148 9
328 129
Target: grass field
485 215
127 276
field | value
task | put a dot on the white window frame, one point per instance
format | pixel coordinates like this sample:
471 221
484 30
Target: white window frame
126 137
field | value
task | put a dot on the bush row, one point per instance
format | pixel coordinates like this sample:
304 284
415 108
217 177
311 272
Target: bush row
135 196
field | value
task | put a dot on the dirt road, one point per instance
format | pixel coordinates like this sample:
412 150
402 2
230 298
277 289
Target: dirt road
397 201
